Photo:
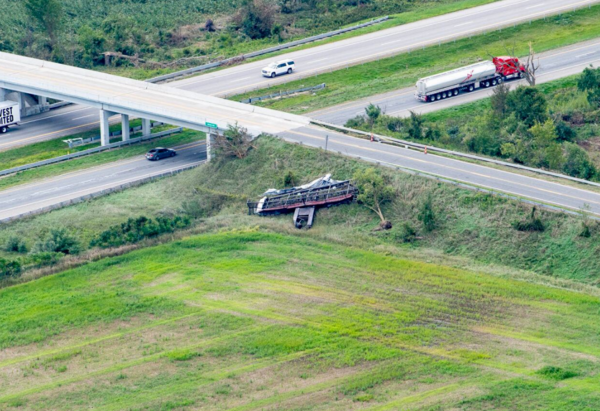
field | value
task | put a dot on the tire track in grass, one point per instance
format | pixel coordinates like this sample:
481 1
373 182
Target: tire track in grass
119 367
412 399
54 351
205 380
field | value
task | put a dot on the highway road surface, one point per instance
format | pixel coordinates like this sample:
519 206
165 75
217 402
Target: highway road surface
69 120
30 197
554 64
48 192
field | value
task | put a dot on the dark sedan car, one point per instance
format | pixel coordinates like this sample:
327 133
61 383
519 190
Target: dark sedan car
160 152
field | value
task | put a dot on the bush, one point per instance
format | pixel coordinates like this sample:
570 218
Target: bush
43 259
58 241
137 229
289 179
427 215
9 268
585 232
556 373
532 224
356 122
565 132
577 163
257 18
405 234
415 126
528 104
15 245
394 124
234 142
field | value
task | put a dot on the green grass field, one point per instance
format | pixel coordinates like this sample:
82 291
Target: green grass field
249 320
405 69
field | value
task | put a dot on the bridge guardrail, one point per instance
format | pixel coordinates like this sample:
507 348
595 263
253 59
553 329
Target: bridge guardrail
282 93
392 140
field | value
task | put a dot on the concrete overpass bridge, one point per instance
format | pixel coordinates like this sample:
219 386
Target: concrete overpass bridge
117 95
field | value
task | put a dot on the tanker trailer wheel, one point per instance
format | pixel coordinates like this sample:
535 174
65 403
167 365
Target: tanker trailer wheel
3 129
456 92
471 88
444 94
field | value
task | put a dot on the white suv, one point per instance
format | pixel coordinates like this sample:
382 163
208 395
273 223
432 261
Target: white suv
278 67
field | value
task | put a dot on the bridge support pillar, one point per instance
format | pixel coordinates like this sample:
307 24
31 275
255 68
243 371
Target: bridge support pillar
146 127
104 128
22 104
125 126
210 136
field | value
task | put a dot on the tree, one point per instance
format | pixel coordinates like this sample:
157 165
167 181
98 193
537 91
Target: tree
48 15
499 99
577 163
373 112
92 42
9 268
531 66
375 191
415 126
589 79
427 215
528 105
257 18
234 142
594 97
547 150
58 240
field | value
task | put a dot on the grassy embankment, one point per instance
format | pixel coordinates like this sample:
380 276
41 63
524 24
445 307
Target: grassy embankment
468 225
403 70
55 148
164 32
248 320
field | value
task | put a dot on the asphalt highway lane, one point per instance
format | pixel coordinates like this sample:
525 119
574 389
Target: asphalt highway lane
553 65
516 185
35 196
69 120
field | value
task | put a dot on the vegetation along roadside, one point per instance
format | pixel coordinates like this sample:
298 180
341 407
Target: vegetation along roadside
428 218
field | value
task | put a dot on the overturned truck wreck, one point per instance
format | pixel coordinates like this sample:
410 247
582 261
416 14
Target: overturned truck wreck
304 199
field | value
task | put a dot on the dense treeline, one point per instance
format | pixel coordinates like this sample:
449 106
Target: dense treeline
548 130
161 33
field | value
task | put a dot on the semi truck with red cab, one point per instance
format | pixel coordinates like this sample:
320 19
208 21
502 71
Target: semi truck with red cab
469 78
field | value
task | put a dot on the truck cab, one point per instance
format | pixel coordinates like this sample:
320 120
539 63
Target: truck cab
508 67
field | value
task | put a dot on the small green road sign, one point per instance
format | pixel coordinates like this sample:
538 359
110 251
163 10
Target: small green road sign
211 125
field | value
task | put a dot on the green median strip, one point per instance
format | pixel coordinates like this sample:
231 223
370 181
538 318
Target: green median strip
403 70
52 170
